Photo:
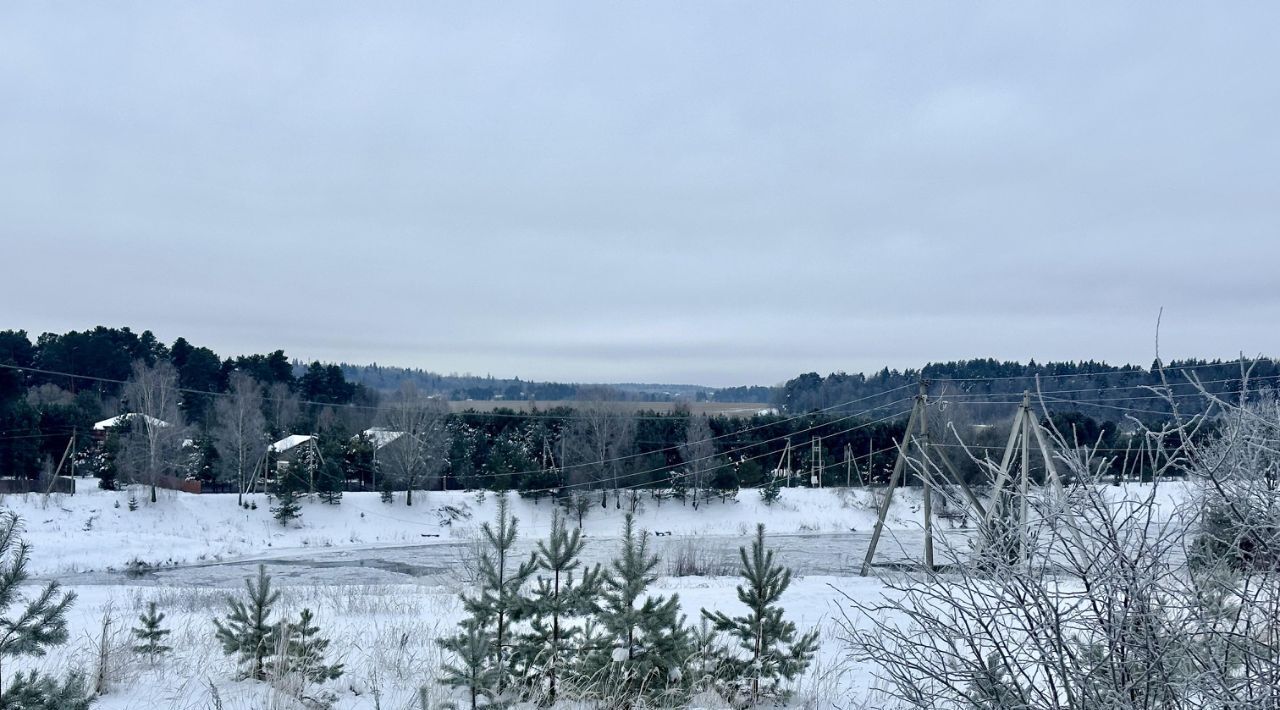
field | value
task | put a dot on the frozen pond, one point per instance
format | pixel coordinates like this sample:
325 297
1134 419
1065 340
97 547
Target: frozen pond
444 563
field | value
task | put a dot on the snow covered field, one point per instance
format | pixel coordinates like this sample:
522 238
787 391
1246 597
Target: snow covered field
383 619
385 635
95 530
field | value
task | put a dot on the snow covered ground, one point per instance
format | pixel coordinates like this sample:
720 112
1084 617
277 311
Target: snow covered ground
385 635
384 618
95 530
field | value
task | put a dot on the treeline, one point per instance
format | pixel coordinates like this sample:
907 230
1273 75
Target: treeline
222 415
471 387
57 387
53 390
1099 390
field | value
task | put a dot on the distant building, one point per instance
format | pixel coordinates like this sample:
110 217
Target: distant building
127 418
289 443
381 437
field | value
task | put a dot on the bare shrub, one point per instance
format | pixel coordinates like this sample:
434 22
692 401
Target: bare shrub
692 557
1098 607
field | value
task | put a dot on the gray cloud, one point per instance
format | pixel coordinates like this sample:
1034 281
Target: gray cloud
667 191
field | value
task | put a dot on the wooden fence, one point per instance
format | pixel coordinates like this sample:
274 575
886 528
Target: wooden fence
61 484
178 484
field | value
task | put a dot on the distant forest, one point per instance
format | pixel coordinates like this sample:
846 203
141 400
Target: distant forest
1105 392
53 390
473 387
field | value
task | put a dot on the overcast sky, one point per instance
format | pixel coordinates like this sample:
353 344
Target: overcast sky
698 192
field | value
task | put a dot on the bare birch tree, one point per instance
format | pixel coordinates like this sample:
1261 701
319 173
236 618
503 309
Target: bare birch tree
155 440
601 435
420 448
241 430
285 408
698 453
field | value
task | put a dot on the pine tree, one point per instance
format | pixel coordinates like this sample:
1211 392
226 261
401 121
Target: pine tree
308 464
150 634
773 652
287 509
645 646
41 625
680 486
304 651
247 631
557 600
331 481
32 691
331 477
771 491
473 668
498 603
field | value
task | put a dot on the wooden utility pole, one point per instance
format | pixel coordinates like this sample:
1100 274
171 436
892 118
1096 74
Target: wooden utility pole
917 432
787 454
908 436
815 462
1024 429
53 480
925 478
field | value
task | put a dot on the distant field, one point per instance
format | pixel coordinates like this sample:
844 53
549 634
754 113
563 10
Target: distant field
726 408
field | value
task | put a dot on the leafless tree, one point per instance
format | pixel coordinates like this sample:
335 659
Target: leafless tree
698 452
154 444
285 408
241 431
596 444
421 449
1124 601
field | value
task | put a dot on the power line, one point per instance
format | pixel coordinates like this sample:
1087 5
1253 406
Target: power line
781 437
466 413
564 467
591 485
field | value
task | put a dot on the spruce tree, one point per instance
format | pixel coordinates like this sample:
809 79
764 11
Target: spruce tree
41 625
150 634
287 509
555 603
645 643
248 632
305 650
497 603
773 652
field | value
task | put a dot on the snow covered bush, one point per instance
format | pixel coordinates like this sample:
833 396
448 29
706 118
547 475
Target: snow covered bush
1239 472
1107 609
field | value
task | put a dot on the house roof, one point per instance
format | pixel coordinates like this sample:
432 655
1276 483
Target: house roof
121 419
381 437
289 442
